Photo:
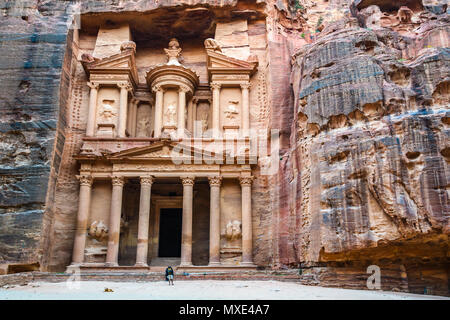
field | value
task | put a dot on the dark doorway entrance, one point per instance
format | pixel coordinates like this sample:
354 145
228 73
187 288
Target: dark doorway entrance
170 232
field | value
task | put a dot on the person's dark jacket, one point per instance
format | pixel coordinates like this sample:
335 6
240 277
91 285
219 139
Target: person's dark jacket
169 271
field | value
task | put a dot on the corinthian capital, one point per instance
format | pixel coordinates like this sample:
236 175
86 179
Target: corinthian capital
246 85
124 85
93 85
246 181
187 181
215 181
148 181
85 180
183 89
118 181
215 85
157 88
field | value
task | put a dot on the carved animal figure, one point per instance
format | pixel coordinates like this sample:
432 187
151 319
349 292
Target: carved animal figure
233 230
98 230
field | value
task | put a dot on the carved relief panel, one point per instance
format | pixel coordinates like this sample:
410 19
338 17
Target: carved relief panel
144 121
203 117
107 111
170 108
231 106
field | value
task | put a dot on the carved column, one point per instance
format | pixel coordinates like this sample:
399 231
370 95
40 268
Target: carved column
124 88
84 204
158 110
114 221
214 222
181 109
245 108
186 237
90 128
194 116
215 86
189 117
247 248
134 118
144 216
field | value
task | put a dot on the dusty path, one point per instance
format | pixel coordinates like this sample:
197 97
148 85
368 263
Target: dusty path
195 290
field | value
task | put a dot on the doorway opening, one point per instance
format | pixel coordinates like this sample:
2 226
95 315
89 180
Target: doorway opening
170 222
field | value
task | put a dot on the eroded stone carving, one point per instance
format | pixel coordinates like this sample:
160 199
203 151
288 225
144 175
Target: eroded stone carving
212 44
232 109
170 114
173 52
233 230
107 112
98 230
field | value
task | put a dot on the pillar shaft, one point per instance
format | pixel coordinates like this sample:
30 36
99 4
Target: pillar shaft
123 109
158 111
194 118
114 221
186 237
144 217
134 118
181 110
84 204
247 241
216 108
90 128
214 224
245 108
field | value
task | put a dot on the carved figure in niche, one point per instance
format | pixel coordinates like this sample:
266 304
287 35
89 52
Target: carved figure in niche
231 111
173 52
143 127
233 230
107 112
203 117
212 44
170 114
98 230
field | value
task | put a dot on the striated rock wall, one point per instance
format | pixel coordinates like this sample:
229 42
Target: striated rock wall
371 144
359 91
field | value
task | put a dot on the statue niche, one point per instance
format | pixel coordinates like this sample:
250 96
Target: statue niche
203 116
107 118
170 119
144 121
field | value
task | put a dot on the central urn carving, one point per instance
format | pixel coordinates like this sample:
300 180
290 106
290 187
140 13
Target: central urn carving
174 85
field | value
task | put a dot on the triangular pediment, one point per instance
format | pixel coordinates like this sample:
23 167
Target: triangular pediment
162 151
123 62
219 62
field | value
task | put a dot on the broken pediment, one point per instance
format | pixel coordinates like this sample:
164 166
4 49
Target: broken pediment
219 63
118 64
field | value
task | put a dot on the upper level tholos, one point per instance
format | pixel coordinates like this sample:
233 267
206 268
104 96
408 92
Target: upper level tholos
137 95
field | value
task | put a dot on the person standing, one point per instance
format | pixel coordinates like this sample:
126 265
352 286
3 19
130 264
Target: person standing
169 275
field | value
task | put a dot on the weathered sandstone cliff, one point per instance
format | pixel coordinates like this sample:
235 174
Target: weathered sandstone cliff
358 89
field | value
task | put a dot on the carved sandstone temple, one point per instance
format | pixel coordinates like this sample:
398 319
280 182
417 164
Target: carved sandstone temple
165 168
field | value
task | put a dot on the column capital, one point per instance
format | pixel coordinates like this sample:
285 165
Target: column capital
246 181
124 85
187 181
147 181
93 85
134 100
118 181
85 180
246 85
195 100
184 89
215 181
215 85
157 88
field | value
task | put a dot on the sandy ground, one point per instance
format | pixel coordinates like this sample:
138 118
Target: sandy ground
194 290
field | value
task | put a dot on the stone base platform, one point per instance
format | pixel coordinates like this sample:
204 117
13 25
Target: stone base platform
100 267
125 275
